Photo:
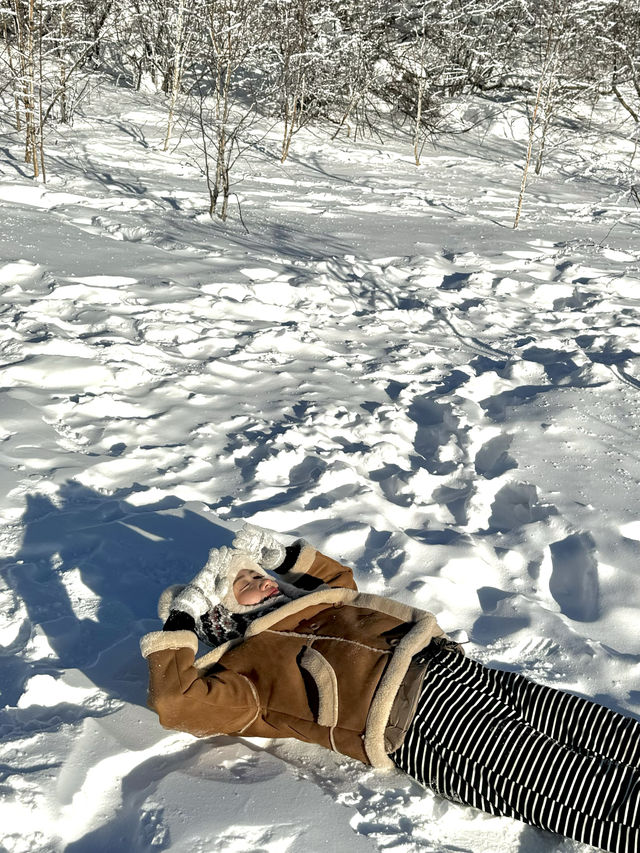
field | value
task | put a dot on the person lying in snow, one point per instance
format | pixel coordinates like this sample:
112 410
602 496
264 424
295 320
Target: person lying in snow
308 656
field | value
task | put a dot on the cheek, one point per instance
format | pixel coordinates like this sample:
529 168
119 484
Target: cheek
256 596
249 596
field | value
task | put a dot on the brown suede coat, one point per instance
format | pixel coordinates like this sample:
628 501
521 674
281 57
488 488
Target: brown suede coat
324 668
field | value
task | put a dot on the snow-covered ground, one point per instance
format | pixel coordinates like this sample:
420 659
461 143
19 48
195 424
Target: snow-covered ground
383 366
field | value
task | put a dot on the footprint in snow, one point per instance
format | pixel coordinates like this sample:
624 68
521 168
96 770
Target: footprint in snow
493 459
574 577
517 504
439 438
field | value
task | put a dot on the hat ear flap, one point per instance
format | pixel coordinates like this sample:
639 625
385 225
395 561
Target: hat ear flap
165 601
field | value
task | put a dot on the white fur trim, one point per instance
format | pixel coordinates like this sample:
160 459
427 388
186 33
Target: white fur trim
418 637
303 562
192 600
326 681
166 600
159 641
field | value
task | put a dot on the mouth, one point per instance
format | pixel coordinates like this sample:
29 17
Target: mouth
273 592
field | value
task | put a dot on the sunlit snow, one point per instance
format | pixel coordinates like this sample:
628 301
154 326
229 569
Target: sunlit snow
381 365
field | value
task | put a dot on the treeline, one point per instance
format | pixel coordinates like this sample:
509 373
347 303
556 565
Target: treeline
341 63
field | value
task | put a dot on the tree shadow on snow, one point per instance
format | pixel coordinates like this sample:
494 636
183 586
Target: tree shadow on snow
89 572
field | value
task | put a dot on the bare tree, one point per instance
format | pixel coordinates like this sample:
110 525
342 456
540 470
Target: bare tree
619 39
290 63
416 68
341 63
180 38
27 19
142 33
225 101
46 52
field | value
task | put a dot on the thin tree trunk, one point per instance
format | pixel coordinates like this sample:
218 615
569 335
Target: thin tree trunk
345 117
547 69
12 69
416 135
548 112
634 115
31 143
290 119
177 72
527 160
422 83
64 117
547 73
21 26
40 112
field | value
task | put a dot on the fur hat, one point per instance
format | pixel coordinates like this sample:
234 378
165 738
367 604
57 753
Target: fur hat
225 572
210 600
220 584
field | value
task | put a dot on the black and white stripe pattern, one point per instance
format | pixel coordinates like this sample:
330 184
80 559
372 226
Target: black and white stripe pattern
499 742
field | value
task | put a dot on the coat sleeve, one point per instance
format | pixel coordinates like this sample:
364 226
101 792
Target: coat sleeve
307 568
223 702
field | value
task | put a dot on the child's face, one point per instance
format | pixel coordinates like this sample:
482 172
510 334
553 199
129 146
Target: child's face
252 587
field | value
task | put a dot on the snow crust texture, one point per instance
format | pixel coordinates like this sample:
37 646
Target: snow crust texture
382 366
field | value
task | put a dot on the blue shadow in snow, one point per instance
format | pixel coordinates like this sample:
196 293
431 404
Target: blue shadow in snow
90 571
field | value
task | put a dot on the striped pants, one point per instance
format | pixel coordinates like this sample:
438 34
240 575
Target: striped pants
499 742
